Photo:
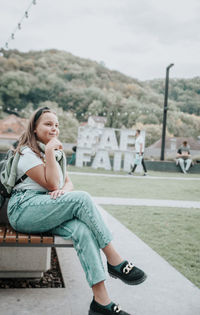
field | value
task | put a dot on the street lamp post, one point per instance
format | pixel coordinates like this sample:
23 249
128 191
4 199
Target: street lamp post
162 157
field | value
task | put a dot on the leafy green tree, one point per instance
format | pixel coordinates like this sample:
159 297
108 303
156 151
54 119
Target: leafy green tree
14 87
96 108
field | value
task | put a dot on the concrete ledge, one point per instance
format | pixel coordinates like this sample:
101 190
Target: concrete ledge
24 262
167 166
20 275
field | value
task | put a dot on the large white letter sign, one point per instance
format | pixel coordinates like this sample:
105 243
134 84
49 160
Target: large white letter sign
83 155
87 137
102 160
102 144
108 140
127 138
117 161
128 161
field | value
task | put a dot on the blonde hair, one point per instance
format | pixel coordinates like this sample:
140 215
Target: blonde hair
29 137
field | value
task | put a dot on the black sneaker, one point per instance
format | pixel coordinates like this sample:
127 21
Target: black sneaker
97 309
128 273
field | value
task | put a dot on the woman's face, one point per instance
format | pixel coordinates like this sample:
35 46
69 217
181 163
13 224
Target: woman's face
47 127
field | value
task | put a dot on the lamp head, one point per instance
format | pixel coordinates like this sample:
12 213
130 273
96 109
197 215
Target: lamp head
171 65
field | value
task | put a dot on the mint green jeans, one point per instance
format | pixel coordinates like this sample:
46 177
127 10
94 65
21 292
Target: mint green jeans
73 215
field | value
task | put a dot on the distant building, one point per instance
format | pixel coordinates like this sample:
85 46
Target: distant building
97 121
171 147
12 125
11 128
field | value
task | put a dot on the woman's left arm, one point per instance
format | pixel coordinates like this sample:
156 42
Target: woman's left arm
68 186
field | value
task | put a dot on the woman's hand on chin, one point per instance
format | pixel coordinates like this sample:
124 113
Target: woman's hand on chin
54 144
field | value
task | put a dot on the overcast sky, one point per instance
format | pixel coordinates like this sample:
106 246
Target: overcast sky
137 37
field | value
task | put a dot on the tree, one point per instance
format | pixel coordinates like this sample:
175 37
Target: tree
14 87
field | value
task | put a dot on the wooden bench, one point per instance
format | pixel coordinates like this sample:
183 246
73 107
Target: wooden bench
10 238
25 255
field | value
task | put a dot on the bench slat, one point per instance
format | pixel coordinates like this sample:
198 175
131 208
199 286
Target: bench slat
22 238
35 239
47 239
11 236
2 233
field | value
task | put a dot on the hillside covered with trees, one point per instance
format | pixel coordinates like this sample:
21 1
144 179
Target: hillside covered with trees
79 87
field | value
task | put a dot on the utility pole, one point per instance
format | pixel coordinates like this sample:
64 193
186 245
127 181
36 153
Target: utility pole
162 156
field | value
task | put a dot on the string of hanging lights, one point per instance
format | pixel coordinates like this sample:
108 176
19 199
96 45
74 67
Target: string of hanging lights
85 114
19 25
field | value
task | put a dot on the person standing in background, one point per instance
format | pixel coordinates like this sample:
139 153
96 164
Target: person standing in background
72 160
139 155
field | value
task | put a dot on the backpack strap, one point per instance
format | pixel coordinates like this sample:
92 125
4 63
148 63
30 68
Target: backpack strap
21 179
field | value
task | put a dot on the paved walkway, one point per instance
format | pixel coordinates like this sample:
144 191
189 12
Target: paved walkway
137 176
147 202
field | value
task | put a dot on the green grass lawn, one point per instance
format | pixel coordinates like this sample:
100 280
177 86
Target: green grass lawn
87 169
174 233
137 187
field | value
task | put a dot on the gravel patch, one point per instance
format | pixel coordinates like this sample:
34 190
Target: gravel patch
51 278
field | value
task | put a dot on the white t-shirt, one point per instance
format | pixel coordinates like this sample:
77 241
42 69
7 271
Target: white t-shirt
139 140
27 161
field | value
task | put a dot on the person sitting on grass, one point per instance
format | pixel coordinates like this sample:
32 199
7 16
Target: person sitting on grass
47 201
